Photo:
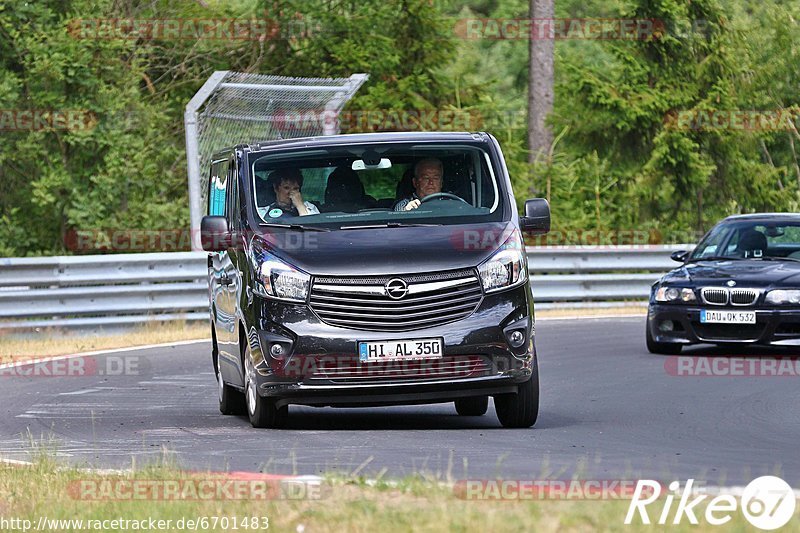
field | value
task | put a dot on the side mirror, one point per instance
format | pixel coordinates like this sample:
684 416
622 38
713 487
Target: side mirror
680 256
537 217
214 234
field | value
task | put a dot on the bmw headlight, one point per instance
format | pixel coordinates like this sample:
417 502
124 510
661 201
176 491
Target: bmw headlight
783 297
506 268
281 280
675 294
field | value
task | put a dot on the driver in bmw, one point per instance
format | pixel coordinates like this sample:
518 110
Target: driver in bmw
427 180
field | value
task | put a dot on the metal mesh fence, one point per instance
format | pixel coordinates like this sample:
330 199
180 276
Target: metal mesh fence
235 108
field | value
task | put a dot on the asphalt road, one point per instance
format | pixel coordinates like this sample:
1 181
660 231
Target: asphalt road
609 410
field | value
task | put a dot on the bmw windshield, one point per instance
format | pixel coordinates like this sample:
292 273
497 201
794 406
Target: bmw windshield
773 239
396 184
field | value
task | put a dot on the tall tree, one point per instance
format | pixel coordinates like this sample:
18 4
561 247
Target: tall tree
540 78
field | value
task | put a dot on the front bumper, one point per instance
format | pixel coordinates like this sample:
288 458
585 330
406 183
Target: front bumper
773 327
320 366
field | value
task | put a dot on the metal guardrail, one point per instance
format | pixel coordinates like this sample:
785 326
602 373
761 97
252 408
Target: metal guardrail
573 274
125 290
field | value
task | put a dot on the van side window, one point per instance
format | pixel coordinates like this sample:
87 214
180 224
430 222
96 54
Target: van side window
217 185
233 195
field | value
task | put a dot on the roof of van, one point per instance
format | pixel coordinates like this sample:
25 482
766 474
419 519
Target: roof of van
764 216
360 138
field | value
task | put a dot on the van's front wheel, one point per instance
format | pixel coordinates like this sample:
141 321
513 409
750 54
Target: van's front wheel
262 411
520 410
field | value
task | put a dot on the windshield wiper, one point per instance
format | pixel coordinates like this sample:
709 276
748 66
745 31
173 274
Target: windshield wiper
390 225
718 258
775 258
292 226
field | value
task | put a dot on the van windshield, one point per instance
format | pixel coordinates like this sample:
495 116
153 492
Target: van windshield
364 185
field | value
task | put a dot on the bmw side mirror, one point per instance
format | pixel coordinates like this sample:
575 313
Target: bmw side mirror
214 234
680 256
537 217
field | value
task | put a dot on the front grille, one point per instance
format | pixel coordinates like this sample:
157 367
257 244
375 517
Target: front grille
728 332
725 296
363 303
744 296
715 296
448 367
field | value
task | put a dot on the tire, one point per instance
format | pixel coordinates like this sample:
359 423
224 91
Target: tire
262 412
475 406
231 401
520 410
661 348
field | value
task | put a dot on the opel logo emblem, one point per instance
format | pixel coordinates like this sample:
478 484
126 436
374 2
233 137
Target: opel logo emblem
731 283
396 288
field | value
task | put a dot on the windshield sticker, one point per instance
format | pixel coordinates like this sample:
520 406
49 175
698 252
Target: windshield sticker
275 213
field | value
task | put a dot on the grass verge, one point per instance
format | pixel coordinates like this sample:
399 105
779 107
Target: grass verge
574 312
54 342
347 504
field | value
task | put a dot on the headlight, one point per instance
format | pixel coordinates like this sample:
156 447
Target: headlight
673 294
506 268
783 297
280 280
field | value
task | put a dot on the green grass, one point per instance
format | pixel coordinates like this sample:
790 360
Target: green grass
57 342
355 504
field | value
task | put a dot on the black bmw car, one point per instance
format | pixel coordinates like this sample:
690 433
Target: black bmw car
740 285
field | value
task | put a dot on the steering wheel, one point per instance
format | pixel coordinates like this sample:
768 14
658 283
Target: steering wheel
442 195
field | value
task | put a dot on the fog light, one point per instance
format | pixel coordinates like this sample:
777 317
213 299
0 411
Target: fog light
276 350
666 325
516 339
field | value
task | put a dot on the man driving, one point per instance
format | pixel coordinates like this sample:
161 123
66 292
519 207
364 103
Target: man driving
427 180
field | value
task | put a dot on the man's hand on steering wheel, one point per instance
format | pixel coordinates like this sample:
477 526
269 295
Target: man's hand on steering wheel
416 202
443 195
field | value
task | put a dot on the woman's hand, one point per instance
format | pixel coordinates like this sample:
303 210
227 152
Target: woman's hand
297 201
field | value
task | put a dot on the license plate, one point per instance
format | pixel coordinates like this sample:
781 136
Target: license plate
369 352
727 317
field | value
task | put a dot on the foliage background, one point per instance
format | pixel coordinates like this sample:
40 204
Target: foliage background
615 165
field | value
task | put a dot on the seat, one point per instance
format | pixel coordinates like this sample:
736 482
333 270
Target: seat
345 192
405 187
265 190
457 179
752 243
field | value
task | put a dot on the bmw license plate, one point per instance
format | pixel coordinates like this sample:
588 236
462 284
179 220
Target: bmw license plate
369 352
727 317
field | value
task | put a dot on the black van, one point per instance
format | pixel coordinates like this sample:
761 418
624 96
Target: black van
368 270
